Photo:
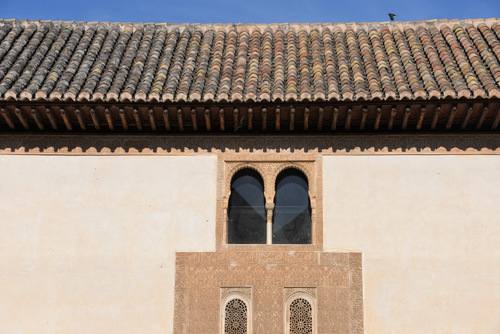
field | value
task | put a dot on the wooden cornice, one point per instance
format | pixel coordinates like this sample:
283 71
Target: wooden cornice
315 117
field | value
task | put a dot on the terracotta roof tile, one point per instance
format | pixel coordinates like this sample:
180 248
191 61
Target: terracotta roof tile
227 66
266 66
292 79
331 66
87 62
79 61
383 65
278 90
201 66
162 70
214 68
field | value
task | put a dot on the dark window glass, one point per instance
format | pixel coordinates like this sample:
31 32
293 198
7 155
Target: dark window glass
246 211
292 211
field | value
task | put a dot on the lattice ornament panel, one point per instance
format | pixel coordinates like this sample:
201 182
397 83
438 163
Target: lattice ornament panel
301 320
235 317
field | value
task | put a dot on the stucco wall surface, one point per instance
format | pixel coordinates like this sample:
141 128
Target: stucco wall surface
429 231
87 243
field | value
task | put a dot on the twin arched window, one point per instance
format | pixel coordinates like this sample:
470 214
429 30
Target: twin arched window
300 314
291 217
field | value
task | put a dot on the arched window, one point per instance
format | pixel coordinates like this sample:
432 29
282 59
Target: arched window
236 317
300 317
292 211
236 311
246 210
300 313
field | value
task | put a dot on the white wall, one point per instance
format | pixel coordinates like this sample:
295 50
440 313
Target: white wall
87 243
429 231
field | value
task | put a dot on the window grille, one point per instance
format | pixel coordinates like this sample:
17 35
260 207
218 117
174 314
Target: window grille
236 317
301 320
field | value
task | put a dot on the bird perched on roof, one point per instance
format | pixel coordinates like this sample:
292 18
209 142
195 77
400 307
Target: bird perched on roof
391 16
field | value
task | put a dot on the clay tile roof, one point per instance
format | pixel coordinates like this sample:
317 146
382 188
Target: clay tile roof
127 62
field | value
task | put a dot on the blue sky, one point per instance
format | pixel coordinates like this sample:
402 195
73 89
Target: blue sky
257 11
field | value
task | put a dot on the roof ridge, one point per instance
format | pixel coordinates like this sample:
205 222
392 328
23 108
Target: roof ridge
239 26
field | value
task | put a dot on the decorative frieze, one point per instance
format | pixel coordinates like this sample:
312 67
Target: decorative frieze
227 145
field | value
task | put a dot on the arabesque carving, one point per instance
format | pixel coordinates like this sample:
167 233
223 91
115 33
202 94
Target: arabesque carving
247 292
290 291
203 279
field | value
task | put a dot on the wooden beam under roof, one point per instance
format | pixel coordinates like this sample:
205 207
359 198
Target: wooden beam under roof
6 116
306 118
194 119
494 108
264 119
348 120
421 116
221 119
93 114
436 117
164 113
335 118
278 119
391 119
137 116
376 125
453 112
121 112
235 119
50 112
406 117
481 115
63 112
208 124
19 113
479 107
150 114
468 114
179 119
250 118
364 114
109 118
34 114
321 113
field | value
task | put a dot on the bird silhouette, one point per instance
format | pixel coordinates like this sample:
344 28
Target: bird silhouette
391 16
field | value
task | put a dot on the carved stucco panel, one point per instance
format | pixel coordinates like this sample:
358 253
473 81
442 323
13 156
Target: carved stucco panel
266 279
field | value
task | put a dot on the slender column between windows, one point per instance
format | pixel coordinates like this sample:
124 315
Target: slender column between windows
269 223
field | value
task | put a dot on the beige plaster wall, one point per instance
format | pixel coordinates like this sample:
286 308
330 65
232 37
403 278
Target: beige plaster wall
429 230
87 243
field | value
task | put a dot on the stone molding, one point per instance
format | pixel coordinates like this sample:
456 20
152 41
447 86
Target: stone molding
298 145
